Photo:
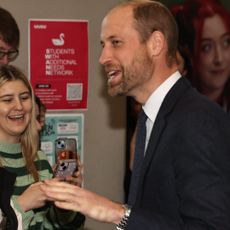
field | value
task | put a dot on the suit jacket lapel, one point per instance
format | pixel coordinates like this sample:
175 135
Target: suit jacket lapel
175 93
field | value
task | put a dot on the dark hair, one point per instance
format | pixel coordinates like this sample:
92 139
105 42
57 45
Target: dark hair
41 106
153 16
9 31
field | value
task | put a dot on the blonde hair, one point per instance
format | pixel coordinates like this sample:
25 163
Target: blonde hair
29 138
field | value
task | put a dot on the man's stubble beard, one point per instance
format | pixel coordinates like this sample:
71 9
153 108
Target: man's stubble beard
137 75
133 76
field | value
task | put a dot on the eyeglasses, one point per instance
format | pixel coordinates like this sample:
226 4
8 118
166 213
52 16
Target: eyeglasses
11 54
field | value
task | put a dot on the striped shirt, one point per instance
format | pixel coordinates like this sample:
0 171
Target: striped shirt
12 159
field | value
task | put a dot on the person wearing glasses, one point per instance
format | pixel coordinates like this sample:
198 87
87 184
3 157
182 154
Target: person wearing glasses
13 215
9 37
9 43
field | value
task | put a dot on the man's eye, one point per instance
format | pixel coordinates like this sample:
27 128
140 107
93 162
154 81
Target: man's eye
116 42
7 100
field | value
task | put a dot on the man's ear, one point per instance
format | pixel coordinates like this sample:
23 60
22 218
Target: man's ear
156 43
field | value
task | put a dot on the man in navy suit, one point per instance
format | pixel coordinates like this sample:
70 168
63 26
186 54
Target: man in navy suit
184 180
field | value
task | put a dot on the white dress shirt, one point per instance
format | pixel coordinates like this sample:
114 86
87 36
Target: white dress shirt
153 104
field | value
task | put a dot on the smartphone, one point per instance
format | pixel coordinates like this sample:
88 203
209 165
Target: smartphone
66 155
65 148
65 168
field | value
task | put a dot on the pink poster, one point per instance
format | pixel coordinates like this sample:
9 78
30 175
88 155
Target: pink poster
58 60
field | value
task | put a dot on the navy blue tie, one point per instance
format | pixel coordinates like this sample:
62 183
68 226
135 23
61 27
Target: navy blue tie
138 157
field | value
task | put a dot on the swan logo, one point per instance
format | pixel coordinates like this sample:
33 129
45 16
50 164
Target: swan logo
59 41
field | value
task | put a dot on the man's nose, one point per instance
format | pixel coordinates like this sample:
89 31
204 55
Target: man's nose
106 56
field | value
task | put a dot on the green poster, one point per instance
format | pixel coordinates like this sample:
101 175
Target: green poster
60 129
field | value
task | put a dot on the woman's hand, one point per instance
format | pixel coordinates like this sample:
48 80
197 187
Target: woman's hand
33 197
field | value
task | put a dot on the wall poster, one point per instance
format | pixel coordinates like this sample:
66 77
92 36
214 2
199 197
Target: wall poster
58 62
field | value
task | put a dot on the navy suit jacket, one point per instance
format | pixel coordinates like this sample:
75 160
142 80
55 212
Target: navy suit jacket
185 177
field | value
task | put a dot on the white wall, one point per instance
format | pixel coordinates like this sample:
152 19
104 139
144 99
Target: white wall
104 143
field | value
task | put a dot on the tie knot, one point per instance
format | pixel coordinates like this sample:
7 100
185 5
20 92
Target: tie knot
142 117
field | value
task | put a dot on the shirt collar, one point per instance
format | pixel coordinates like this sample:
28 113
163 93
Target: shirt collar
153 104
